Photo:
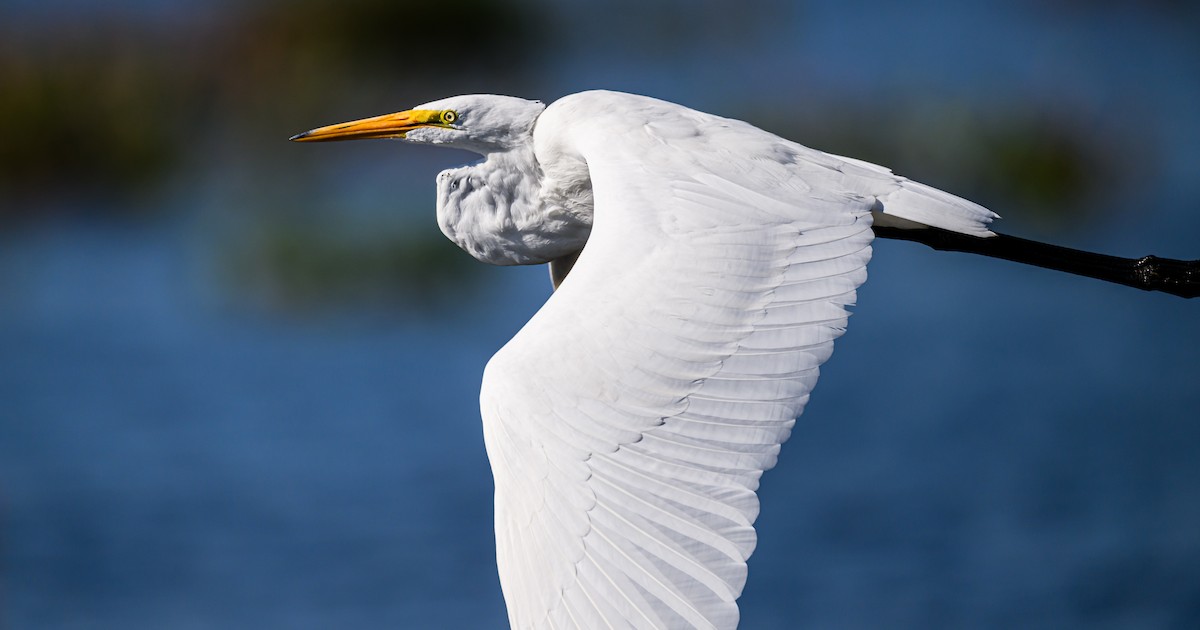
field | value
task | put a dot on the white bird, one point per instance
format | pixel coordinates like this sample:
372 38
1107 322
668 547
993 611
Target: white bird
702 269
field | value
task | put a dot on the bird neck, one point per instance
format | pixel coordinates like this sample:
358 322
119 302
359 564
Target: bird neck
503 212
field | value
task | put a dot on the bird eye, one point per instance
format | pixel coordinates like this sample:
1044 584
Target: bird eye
449 116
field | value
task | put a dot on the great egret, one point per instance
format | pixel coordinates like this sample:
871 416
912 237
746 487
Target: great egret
702 269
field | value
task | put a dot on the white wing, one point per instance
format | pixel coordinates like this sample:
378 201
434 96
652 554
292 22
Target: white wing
629 421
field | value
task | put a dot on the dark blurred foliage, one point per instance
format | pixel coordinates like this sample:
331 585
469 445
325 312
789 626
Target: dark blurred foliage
130 115
118 104
301 267
1046 164
102 111
676 27
400 36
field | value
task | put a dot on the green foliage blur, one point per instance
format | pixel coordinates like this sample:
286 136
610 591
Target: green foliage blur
120 103
129 116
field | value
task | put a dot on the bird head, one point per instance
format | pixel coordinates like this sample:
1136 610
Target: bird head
482 123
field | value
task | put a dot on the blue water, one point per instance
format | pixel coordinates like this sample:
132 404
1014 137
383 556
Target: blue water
1023 451
170 464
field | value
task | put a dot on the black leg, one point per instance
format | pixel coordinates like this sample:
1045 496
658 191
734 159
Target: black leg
1149 273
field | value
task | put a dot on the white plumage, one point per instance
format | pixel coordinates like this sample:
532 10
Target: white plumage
629 421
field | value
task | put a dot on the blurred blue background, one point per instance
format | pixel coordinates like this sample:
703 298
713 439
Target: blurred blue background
238 377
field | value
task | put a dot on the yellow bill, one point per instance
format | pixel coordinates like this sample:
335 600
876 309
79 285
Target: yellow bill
386 126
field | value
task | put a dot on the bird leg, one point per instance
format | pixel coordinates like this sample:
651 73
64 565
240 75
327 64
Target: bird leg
1149 273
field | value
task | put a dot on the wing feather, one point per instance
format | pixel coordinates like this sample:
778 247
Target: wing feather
629 422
